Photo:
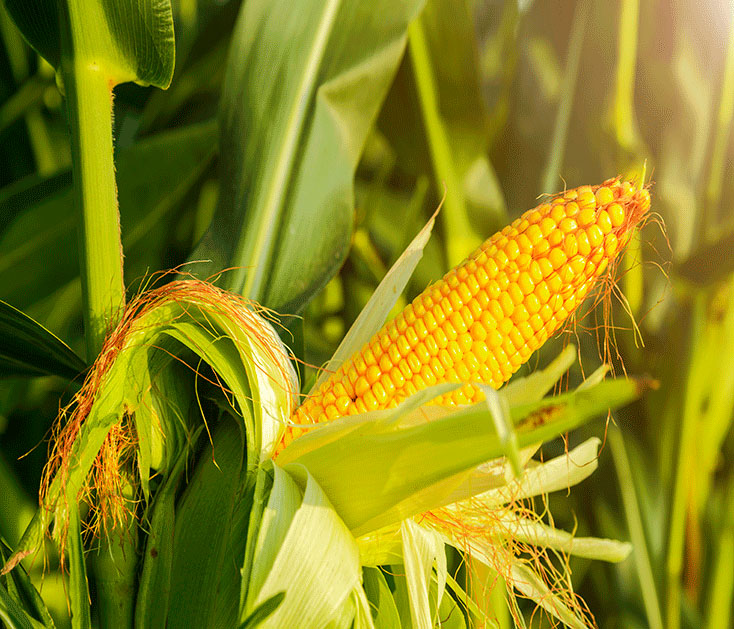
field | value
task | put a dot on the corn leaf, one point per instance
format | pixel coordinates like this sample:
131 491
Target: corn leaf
152 177
291 138
202 524
380 598
130 40
29 349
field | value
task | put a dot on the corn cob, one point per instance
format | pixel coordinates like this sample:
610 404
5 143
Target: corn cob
486 317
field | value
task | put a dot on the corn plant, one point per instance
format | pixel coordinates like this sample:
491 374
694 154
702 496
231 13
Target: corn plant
228 453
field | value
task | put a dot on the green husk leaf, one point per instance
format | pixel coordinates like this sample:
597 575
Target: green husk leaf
316 564
263 611
29 349
380 598
203 518
373 315
389 457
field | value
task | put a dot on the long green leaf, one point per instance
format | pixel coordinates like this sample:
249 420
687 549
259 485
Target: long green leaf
301 92
134 38
29 349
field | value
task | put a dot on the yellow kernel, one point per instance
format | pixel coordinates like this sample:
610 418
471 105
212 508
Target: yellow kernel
454 350
493 290
512 249
505 326
557 258
440 337
520 313
379 392
369 401
494 338
583 242
533 216
455 300
329 398
464 292
394 353
369 356
332 412
385 341
546 266
458 322
555 284
616 214
534 234
536 322
464 375
547 225
414 363
523 260
525 283
430 345
471 363
385 363
610 245
507 304
373 373
361 386
478 331
571 194
571 245
578 265
342 404
482 299
428 375
420 329
524 243
397 377
546 313
387 384
421 351
526 331
572 209
501 258
587 216
515 293
604 222
516 338
604 196
541 247
449 330
542 292
555 238
558 213
465 341
532 303
474 308
595 236
445 358
495 309
437 368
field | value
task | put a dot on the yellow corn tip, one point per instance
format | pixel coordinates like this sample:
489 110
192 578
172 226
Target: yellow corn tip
486 317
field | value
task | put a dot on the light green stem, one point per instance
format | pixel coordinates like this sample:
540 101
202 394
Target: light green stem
637 532
89 105
681 491
623 113
460 235
723 128
552 171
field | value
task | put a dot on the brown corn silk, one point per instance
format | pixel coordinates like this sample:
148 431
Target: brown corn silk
488 315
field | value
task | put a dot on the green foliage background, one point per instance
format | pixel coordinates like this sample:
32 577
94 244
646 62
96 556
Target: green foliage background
494 103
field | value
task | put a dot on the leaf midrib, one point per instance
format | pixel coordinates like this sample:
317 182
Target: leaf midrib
255 267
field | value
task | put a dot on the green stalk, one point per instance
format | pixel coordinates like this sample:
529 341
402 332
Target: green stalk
623 111
681 491
460 235
89 107
718 609
637 532
723 128
115 570
568 89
